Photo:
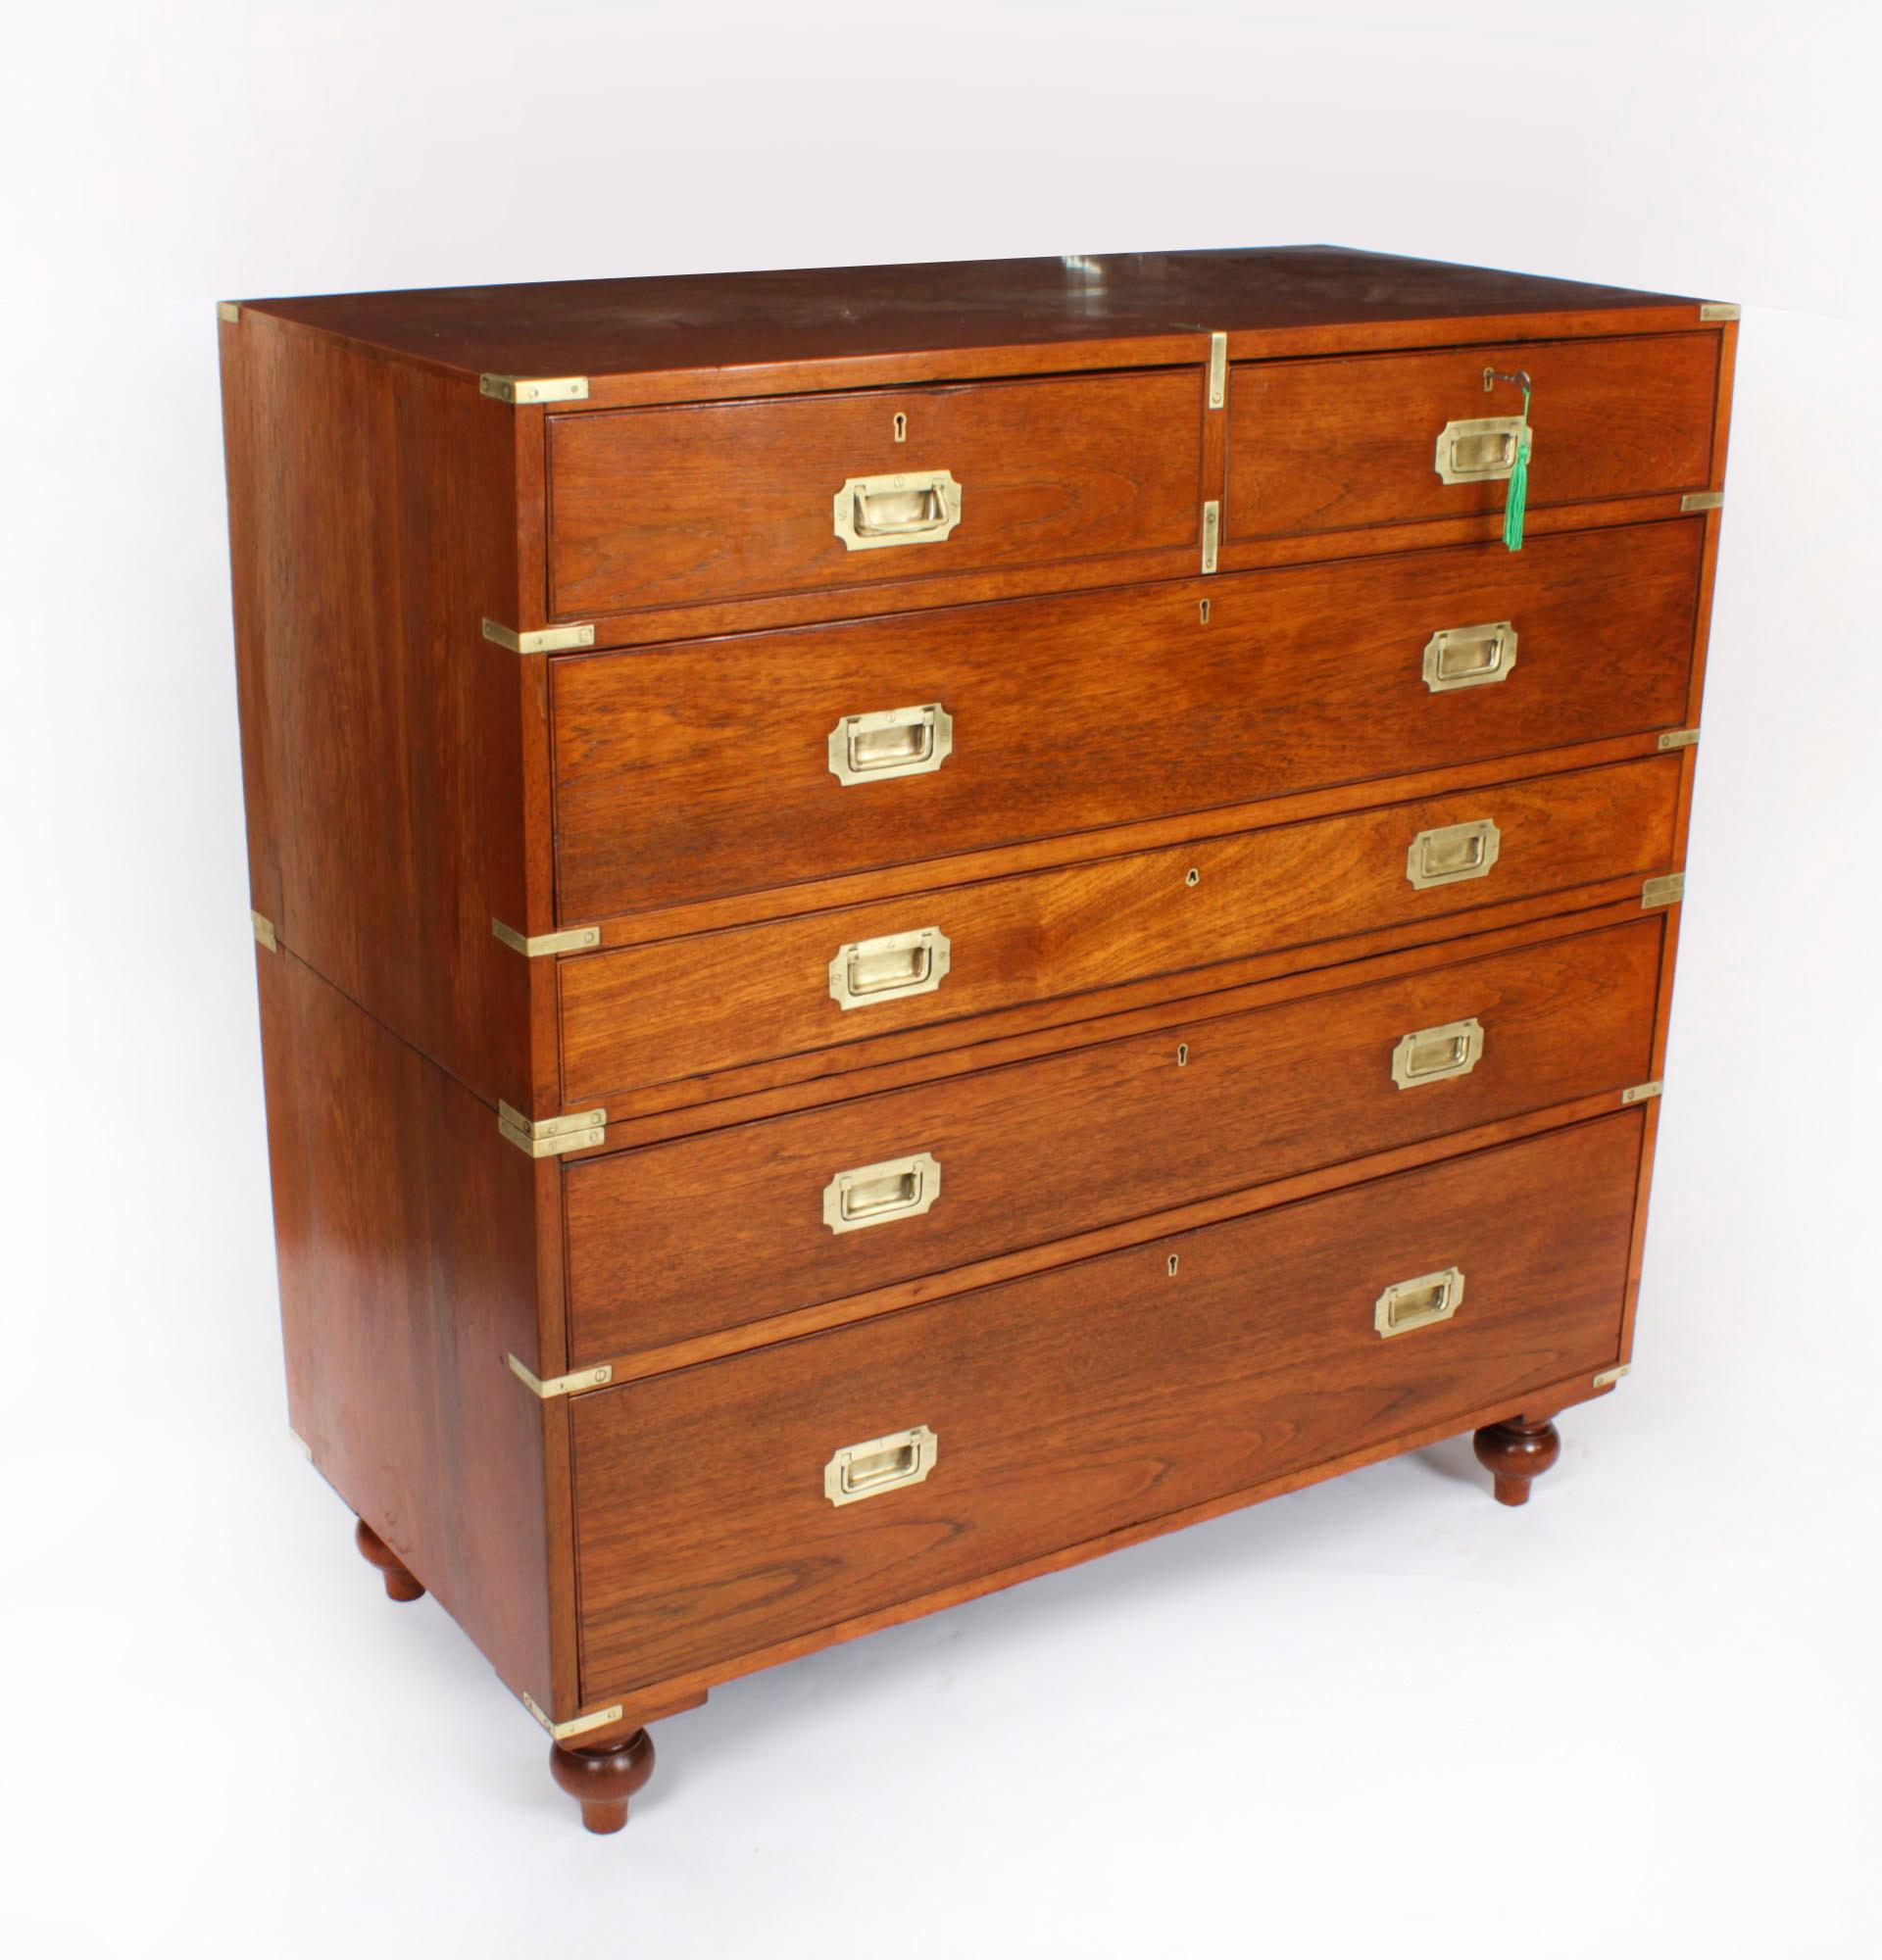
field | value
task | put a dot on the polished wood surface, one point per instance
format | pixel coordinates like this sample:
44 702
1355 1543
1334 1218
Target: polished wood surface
400 1585
602 1779
701 770
655 507
689 322
1516 1452
371 522
684 1008
1169 847
1323 445
405 1239
1077 1402
1091 1136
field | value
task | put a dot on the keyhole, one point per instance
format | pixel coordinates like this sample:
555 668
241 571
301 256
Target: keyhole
1195 877
1172 1265
1205 611
1182 1054
900 428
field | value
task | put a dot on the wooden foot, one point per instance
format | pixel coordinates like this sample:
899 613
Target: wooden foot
399 1583
601 1779
1516 1452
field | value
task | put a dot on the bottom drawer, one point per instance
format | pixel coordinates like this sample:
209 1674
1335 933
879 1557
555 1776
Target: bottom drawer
1085 1399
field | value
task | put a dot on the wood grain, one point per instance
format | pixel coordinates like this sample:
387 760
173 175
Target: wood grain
1320 445
696 324
685 1008
1071 1142
372 525
1080 1401
407 1246
653 507
701 770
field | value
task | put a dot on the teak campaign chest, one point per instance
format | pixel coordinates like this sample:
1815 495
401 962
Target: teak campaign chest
915 922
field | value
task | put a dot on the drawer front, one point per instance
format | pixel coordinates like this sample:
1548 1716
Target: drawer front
742 764
1042 1149
1080 1401
682 1008
739 500
1331 445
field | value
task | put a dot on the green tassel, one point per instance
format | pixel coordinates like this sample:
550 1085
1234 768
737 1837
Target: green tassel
1515 502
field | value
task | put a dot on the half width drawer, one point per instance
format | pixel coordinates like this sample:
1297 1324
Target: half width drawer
747 764
1338 444
1042 1149
739 500
1081 1402
684 1008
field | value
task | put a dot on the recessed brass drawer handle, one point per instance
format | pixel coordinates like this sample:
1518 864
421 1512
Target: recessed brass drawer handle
1450 856
1418 1302
1437 1055
878 1194
1470 656
1482 451
916 508
884 1464
897 742
903 963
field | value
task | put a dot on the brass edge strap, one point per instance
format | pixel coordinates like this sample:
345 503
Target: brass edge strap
553 1135
522 390
264 934
1720 310
1666 891
544 640
1218 369
1702 500
1609 1376
578 1724
577 939
1674 738
561 1384
1641 1092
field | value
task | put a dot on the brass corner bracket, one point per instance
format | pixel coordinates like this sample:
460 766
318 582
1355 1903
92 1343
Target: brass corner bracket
1720 310
520 390
546 640
1609 1376
264 935
1702 500
1680 738
580 1725
574 939
553 1135
229 310
1643 1092
561 1384
1666 891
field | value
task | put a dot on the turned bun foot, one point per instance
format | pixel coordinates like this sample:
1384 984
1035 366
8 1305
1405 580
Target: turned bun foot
601 1779
399 1583
1516 1452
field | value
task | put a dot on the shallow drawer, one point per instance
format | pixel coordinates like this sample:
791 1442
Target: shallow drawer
1329 445
945 1173
731 500
686 1007
741 764
1083 1401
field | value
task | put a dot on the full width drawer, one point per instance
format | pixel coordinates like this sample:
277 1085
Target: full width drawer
741 764
1333 445
1080 1401
684 1007
835 1201
810 493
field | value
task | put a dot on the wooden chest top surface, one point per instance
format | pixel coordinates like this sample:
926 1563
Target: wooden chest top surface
625 326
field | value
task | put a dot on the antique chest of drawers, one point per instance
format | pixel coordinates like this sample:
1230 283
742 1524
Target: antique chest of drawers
917 922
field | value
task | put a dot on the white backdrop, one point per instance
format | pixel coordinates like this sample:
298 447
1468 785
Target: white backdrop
1384 1714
